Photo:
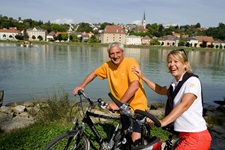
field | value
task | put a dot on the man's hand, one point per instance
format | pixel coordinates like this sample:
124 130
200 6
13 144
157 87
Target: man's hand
77 89
112 107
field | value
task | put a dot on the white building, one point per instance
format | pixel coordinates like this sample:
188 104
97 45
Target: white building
133 40
35 34
113 34
9 34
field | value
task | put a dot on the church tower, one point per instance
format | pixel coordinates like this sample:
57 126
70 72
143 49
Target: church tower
144 22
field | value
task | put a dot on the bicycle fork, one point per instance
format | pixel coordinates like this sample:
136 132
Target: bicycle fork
111 141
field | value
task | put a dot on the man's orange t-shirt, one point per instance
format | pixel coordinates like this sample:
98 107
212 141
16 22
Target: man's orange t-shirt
119 79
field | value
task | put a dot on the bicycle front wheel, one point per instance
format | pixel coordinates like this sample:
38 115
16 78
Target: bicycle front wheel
71 140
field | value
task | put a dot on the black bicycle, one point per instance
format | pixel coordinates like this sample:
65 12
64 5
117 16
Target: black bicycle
77 138
171 142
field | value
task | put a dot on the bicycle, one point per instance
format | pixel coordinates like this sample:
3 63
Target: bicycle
170 144
76 137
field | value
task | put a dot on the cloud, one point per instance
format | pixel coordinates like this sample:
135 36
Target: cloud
62 21
137 22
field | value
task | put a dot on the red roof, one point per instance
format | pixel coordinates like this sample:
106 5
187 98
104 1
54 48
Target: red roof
114 29
205 38
10 30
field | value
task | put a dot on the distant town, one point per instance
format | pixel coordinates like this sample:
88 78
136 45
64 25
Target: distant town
130 34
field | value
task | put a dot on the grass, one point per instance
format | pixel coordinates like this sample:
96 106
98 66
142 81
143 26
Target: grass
54 119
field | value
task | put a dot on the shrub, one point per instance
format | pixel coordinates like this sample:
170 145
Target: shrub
58 107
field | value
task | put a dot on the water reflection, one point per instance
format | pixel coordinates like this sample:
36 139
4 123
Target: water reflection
27 73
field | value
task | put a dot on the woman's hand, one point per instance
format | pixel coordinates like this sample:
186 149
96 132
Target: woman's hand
149 121
138 72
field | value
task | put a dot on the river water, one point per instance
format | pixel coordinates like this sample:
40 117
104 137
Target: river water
34 73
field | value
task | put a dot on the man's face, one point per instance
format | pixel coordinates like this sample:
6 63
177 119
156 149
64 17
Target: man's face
116 55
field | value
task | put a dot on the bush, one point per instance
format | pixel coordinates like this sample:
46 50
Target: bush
57 108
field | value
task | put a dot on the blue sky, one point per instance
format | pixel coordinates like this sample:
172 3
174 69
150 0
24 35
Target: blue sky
209 13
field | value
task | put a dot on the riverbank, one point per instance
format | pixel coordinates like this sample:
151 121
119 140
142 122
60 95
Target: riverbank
105 45
24 115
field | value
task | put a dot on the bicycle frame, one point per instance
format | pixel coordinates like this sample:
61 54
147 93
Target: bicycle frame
124 110
89 122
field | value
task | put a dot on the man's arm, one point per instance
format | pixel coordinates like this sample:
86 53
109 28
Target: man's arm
87 80
127 95
134 85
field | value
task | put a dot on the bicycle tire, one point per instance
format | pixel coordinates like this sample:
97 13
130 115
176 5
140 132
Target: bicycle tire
70 140
121 141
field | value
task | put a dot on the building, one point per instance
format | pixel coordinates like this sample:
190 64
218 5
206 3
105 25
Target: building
51 36
208 39
196 41
133 40
9 34
144 21
193 41
169 40
37 34
113 33
145 40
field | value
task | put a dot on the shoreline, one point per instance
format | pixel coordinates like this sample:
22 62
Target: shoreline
105 45
24 115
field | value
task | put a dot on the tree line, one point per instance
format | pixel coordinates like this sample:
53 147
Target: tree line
154 30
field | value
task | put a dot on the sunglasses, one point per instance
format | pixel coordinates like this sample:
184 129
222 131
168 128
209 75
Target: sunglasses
180 50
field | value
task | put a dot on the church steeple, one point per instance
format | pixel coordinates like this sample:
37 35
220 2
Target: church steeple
144 22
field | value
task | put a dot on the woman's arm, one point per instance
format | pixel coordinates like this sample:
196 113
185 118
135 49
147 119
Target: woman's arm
179 109
155 87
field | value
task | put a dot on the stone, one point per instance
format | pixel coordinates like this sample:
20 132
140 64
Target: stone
19 109
28 104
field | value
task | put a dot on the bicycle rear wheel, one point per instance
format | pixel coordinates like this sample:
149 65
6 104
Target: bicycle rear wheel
70 140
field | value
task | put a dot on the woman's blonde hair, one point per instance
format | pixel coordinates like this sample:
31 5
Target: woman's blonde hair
181 55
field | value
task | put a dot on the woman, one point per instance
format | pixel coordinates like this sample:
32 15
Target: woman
186 112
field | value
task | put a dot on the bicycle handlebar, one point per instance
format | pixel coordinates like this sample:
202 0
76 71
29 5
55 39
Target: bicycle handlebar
124 107
143 113
101 103
153 118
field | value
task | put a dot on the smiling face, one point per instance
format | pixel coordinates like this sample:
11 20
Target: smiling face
176 66
116 55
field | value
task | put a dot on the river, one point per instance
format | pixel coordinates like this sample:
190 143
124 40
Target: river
33 73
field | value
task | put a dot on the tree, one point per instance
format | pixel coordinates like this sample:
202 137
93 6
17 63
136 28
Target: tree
19 37
57 28
154 42
74 38
84 27
64 37
198 25
153 29
203 44
59 37
93 39
103 25
187 44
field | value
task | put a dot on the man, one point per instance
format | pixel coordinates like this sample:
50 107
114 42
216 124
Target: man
123 83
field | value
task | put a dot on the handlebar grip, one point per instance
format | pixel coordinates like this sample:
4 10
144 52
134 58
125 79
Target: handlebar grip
117 102
80 92
153 118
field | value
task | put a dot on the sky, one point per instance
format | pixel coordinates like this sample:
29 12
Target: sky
209 13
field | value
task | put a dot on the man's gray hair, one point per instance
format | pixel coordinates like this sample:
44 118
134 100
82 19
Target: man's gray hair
118 44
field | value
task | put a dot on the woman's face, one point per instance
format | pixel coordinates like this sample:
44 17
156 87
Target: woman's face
175 67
